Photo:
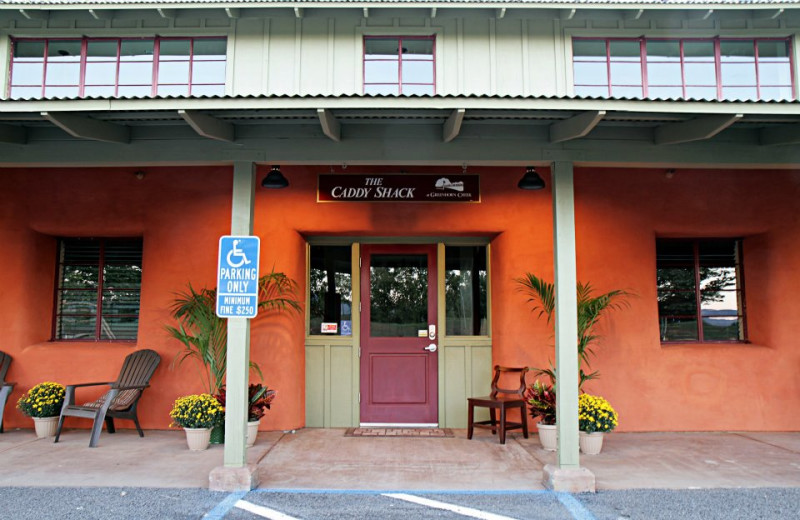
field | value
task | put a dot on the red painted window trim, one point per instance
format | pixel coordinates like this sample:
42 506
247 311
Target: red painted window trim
683 84
698 300
153 84
99 302
399 82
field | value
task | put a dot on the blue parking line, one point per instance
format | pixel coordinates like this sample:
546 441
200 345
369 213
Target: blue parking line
222 509
573 505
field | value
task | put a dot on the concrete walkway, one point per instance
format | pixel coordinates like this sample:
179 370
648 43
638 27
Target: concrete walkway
326 459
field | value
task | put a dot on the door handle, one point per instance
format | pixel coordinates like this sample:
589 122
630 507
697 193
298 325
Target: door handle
431 347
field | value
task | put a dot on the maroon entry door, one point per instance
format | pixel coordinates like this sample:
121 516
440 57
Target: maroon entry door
399 335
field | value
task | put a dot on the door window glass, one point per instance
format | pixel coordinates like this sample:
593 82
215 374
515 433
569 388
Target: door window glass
398 295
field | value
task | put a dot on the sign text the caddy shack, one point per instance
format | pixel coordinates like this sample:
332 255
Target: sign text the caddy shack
398 188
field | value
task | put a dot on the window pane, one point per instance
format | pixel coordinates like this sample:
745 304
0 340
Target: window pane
137 91
173 72
64 50
664 74
774 73
739 93
101 73
119 327
25 92
136 74
678 329
122 276
398 295
465 291
77 302
208 90
773 49
174 50
738 74
664 92
136 50
414 49
736 51
589 50
381 48
626 74
701 92
776 93
591 73
173 90
698 51
209 49
417 71
626 92
700 74
422 90
24 51
63 73
719 328
75 327
27 73
79 277
625 50
61 92
591 91
101 50
381 72
664 51
107 91
208 72
382 89
117 301
330 290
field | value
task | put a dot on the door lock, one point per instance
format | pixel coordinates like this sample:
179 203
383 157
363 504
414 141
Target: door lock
431 347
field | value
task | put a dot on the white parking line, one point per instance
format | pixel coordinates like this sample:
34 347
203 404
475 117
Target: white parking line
461 510
262 511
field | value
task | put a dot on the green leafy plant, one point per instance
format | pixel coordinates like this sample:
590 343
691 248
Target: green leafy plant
591 308
196 411
204 335
43 400
541 400
259 400
595 414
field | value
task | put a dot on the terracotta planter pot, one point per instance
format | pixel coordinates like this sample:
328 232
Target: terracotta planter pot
252 432
548 436
198 438
45 426
590 443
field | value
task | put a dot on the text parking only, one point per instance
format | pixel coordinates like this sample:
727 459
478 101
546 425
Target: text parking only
237 277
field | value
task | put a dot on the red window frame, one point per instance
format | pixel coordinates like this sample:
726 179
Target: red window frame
400 81
98 313
683 84
742 311
153 83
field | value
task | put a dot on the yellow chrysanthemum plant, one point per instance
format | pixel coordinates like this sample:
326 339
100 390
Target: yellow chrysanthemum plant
43 400
595 414
196 411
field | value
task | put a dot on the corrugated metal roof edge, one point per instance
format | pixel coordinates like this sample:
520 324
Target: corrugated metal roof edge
21 4
411 96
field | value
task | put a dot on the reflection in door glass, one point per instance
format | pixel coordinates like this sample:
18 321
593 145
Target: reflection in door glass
465 290
330 290
398 295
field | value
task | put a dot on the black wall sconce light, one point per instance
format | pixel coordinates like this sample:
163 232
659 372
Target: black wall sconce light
531 180
275 179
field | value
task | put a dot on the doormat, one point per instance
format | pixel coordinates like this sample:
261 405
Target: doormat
399 432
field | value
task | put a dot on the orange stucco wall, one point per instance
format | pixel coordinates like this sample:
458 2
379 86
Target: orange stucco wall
181 212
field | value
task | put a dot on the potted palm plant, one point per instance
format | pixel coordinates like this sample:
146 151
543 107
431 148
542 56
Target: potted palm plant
204 335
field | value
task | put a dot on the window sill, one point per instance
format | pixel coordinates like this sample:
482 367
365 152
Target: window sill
710 344
87 343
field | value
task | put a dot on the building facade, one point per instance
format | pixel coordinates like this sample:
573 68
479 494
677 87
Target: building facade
669 130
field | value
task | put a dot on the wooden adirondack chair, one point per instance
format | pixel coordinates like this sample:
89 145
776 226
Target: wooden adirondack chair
5 386
119 402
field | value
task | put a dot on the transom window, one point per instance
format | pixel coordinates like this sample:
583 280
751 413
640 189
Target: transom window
700 290
117 67
399 65
688 68
97 297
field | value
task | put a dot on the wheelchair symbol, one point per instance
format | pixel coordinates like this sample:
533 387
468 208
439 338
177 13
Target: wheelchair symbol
235 252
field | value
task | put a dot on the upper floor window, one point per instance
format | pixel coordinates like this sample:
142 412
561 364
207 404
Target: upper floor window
700 290
712 68
97 297
117 67
399 65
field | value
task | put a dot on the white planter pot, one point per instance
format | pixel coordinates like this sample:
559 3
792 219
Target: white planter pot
548 436
198 438
252 432
45 426
590 443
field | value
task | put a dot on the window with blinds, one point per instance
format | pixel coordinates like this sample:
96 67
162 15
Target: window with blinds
99 282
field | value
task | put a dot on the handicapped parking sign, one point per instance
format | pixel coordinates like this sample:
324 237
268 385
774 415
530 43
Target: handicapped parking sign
237 276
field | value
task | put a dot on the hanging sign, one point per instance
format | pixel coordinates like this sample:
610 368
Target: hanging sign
399 187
